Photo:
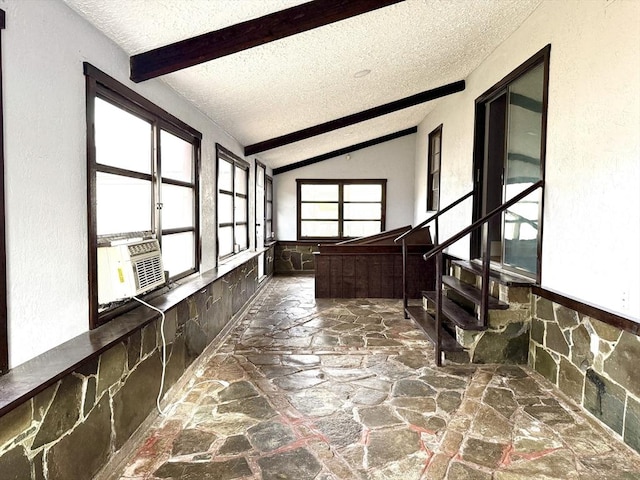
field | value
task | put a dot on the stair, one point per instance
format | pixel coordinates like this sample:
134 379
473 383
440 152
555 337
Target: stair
428 324
472 293
455 313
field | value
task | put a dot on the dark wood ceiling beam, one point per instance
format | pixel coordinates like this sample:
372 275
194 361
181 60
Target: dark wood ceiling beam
344 151
355 118
249 34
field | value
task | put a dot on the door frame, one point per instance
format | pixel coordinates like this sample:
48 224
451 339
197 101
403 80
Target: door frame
543 57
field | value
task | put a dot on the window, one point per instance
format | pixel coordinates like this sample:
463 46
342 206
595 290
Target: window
433 170
337 209
142 182
268 209
4 342
233 203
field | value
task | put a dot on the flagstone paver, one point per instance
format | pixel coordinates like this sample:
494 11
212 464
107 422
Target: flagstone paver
348 390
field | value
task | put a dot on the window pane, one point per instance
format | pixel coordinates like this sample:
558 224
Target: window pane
225 175
177 157
177 206
319 211
269 190
310 193
362 211
178 252
241 236
241 209
225 239
361 229
268 229
122 139
319 229
369 193
269 213
241 180
260 177
225 208
123 204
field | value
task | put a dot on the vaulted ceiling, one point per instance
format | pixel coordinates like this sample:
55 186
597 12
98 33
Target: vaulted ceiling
315 77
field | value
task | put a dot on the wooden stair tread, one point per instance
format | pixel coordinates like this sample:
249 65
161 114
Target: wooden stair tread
428 325
454 312
472 293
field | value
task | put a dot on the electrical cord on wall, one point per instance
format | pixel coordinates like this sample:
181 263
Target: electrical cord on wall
164 352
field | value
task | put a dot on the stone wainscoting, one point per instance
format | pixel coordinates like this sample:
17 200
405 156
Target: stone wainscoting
507 338
294 257
593 363
72 428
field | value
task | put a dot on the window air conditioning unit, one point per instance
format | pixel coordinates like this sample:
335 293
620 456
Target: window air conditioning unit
128 270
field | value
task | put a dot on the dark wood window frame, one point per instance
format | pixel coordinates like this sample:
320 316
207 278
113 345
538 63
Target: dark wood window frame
222 154
4 340
261 167
341 183
268 212
101 85
433 174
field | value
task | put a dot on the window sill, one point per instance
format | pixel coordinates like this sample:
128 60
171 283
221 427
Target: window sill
32 377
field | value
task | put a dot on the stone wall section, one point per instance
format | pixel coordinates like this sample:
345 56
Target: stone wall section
291 257
507 338
593 363
71 429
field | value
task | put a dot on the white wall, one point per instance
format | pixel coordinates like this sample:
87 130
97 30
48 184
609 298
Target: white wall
392 160
591 244
44 45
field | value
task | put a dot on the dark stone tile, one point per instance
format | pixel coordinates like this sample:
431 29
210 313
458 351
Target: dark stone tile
298 464
440 382
89 367
511 371
340 429
412 388
267 436
448 401
546 365
605 331
191 441
537 330
90 395
570 380
112 367
234 445
15 422
555 339
387 446
255 407
632 424
581 347
549 414
134 344
63 413
381 416
85 450
236 391
149 338
41 403
544 309
566 317
509 346
137 397
460 471
622 366
38 466
605 400
501 400
225 470
487 454
14 465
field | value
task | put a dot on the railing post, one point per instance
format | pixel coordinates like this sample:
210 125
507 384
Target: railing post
438 338
405 300
435 240
486 262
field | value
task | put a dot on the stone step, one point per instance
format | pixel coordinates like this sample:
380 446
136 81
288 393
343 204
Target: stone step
428 325
454 312
472 293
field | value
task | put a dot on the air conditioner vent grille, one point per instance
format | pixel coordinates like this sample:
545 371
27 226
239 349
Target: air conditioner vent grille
149 272
140 248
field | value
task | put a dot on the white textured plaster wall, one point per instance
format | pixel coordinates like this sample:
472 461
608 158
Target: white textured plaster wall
591 244
392 160
43 47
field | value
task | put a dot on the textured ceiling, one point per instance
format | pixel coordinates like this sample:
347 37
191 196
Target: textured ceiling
307 79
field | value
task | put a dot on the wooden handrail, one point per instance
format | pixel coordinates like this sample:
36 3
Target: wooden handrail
453 239
433 217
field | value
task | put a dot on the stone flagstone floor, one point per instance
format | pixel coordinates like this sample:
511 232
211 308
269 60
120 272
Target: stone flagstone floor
347 389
